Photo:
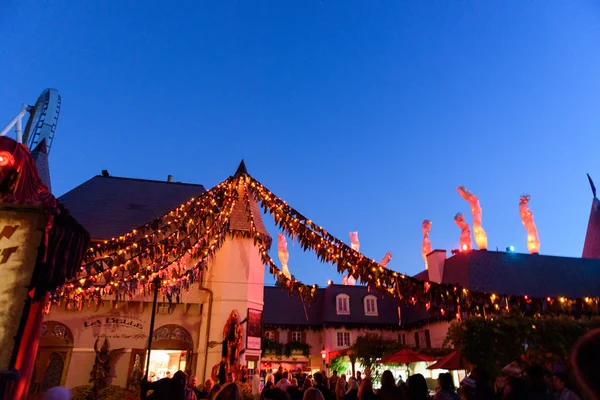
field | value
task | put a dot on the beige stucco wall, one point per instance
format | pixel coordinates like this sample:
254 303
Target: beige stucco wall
90 324
236 278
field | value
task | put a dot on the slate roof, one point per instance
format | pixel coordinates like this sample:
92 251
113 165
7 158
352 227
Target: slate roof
239 215
524 274
282 310
109 206
423 275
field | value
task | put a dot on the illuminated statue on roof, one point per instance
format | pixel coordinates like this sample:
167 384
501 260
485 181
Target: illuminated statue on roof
465 232
478 231
533 240
426 245
284 255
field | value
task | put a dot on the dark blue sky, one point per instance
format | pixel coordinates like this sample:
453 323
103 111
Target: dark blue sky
363 115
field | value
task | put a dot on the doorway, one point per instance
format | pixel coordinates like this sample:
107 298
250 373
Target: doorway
52 359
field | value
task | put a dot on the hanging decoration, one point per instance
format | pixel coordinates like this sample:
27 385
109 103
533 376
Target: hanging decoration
533 240
177 246
284 255
426 245
465 232
478 231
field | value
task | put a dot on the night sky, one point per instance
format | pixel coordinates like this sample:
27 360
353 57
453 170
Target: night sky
363 115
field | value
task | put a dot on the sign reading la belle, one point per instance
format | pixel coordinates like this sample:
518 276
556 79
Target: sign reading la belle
113 322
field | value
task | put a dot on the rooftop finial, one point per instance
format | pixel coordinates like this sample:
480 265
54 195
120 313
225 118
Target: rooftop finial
241 170
592 185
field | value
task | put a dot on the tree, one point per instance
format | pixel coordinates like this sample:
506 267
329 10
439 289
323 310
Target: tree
497 341
371 347
340 364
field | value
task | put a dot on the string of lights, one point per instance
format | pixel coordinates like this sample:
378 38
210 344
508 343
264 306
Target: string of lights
193 233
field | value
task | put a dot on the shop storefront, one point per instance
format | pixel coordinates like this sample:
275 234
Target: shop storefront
71 341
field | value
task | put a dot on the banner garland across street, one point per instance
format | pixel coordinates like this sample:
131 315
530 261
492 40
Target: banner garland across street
176 246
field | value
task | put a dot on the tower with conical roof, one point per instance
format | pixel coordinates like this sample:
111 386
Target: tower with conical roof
235 276
591 246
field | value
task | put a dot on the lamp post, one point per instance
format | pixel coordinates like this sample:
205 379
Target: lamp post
324 357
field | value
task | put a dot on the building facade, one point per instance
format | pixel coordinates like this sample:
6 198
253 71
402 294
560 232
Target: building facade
277 330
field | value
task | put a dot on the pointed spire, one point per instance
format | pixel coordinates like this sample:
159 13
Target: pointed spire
241 171
592 185
591 246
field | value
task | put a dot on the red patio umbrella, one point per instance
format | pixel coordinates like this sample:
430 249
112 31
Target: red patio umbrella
451 362
405 356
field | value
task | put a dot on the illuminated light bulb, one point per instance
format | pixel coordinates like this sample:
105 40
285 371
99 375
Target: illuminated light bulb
493 297
562 299
587 299
548 299
465 247
511 248
533 327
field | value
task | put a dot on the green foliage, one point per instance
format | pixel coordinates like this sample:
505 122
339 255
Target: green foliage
81 392
497 341
271 346
279 349
340 364
112 392
297 346
370 347
108 393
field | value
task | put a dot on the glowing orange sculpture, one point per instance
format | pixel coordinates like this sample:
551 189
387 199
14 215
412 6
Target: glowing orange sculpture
533 240
426 246
348 280
465 232
354 243
284 256
478 231
386 259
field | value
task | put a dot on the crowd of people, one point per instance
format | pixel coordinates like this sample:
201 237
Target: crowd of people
515 383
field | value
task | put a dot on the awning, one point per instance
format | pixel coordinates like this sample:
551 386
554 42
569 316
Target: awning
451 362
405 356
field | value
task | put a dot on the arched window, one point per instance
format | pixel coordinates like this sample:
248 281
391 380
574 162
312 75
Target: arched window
342 302
370 303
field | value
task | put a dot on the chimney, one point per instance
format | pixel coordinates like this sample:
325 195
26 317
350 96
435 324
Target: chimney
435 262
169 178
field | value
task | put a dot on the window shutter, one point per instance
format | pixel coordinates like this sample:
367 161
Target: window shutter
428 338
417 340
277 335
289 336
303 336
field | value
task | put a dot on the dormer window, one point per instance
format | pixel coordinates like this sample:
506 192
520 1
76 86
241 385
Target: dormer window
370 305
343 304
